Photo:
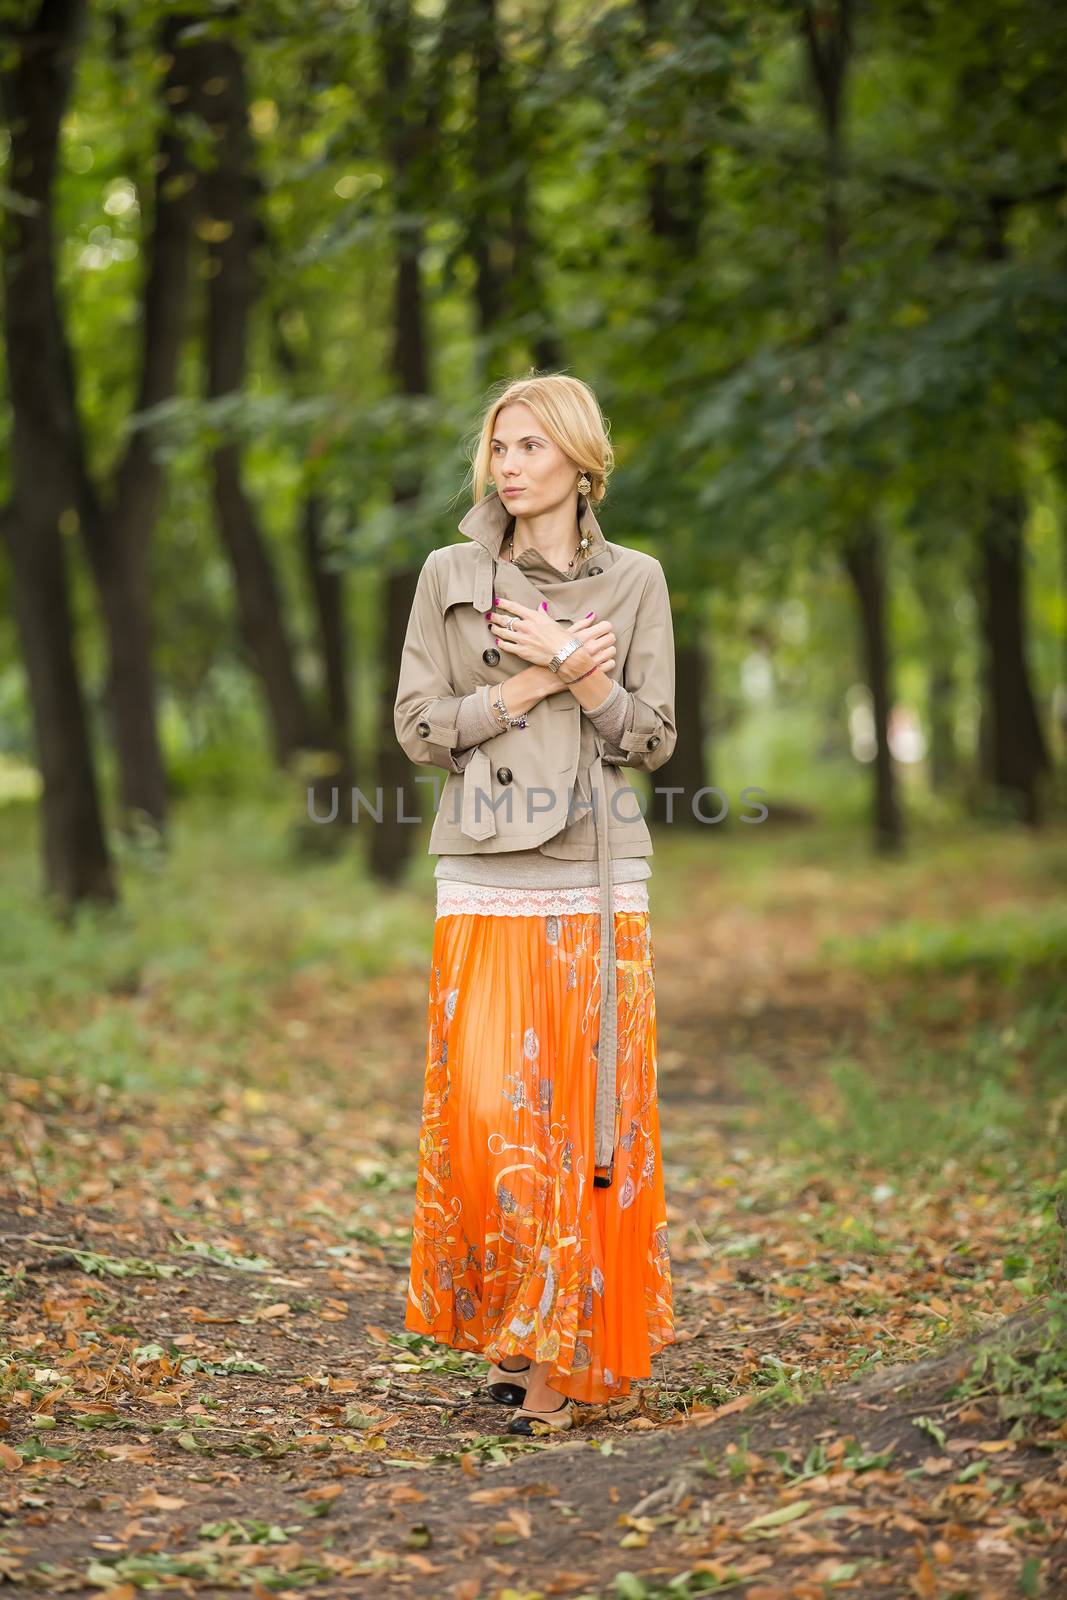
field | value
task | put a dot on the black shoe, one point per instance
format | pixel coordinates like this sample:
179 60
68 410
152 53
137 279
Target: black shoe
509 1387
553 1421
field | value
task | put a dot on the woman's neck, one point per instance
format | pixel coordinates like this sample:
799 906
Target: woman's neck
554 535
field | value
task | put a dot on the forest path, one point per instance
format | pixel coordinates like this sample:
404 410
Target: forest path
208 1383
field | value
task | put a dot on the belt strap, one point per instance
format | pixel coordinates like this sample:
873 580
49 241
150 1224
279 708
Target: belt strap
607 1046
478 813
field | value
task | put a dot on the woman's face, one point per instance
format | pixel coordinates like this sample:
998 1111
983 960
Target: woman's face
531 473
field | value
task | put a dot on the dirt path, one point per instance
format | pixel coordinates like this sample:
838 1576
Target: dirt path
207 1383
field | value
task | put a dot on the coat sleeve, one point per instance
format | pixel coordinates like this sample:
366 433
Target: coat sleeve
649 735
426 712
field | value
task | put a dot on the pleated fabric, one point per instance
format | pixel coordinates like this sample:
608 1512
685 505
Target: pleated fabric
514 1251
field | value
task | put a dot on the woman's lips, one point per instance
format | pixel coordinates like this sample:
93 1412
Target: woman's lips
514 491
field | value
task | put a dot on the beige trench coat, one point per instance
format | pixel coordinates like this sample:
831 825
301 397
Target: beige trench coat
556 783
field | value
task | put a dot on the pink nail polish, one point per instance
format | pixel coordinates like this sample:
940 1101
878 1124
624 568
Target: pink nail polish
590 613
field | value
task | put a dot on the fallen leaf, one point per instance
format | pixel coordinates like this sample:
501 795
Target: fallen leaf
774 1519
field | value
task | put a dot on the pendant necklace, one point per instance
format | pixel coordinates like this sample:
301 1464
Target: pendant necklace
582 547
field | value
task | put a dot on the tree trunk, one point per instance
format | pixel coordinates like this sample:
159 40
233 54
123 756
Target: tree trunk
326 585
405 136
232 237
686 767
35 78
826 31
942 764
75 856
328 596
674 200
391 840
118 538
934 593
508 292
1017 751
1062 696
864 564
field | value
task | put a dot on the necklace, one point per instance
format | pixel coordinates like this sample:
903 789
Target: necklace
582 546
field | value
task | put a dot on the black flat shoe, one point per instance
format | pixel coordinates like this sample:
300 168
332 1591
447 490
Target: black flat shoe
508 1386
560 1417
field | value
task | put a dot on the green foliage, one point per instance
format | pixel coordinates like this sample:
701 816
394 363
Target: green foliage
653 185
195 952
1004 948
1026 1373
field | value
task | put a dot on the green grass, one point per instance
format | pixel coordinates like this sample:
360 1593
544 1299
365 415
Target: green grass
1000 947
202 940
179 977
992 1103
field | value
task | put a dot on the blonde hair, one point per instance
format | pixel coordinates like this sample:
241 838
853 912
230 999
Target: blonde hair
568 411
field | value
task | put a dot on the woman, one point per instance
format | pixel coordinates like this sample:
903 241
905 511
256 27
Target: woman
538 661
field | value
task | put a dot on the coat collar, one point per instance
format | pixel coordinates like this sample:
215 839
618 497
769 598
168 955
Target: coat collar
487 522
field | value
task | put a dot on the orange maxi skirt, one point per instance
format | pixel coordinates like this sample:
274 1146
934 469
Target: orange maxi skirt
515 1252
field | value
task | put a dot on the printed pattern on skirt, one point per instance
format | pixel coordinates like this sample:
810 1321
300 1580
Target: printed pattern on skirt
514 1250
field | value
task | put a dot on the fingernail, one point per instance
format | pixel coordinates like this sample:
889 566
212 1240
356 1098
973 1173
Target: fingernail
496 599
544 605
590 613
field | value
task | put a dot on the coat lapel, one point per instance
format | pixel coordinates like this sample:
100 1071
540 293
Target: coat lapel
530 579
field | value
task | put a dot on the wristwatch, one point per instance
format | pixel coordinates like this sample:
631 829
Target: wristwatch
563 652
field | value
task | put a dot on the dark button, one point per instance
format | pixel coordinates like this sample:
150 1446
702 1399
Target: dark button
423 728
491 657
653 742
503 774
593 571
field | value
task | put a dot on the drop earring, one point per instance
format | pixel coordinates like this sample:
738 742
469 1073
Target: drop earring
584 487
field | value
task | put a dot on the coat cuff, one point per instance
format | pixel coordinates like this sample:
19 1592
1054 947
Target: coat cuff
438 730
644 743
476 721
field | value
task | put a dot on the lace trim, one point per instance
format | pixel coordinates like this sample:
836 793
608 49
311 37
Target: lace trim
489 900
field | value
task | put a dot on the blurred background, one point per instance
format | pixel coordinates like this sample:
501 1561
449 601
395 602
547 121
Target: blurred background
262 267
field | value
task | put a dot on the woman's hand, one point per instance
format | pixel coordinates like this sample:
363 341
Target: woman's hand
536 638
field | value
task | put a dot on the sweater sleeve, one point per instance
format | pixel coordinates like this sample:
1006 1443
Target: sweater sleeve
650 733
475 722
611 715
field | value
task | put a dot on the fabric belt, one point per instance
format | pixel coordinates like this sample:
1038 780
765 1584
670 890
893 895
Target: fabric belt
607 1047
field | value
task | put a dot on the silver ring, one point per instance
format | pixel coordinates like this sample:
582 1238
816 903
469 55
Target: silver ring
513 623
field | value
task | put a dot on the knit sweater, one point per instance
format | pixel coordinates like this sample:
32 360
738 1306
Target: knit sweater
530 869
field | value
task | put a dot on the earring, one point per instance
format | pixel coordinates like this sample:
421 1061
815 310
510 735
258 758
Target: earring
584 484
